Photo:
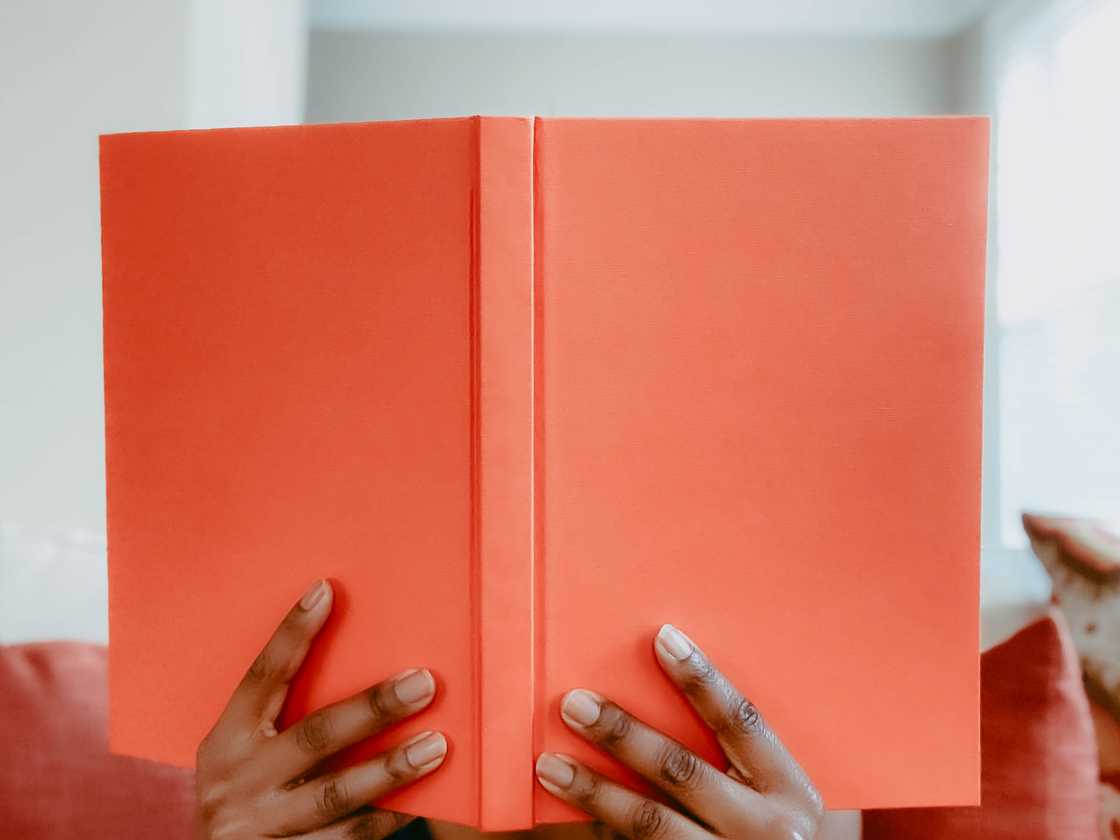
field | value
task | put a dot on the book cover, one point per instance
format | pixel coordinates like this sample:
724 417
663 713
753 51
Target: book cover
526 390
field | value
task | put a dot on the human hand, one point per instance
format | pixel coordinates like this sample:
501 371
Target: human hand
255 782
764 795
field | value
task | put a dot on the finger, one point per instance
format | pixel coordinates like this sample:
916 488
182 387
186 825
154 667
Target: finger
367 824
623 810
719 801
259 696
321 734
327 798
752 748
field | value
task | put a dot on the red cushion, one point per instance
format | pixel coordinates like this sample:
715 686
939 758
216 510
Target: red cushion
57 778
1038 754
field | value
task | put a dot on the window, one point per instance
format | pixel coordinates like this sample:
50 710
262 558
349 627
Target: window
1057 245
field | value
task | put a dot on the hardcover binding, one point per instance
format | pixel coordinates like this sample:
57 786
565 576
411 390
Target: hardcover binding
503 466
325 355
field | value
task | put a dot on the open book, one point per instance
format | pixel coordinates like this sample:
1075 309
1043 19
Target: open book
525 390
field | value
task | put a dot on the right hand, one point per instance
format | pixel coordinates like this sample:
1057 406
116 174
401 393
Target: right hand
256 782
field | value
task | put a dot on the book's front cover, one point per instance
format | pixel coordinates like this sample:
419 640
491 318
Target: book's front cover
760 368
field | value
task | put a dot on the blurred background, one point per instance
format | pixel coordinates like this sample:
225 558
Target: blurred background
1046 71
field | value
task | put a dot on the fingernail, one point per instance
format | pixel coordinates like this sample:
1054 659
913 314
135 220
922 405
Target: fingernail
581 707
555 770
425 748
414 685
674 642
313 595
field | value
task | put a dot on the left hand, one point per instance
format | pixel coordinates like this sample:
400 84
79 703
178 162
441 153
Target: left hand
764 795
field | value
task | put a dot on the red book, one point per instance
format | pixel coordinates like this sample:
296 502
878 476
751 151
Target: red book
525 390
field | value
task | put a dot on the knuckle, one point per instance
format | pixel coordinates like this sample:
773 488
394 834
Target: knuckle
213 801
313 735
216 755
744 716
383 704
332 799
210 800
586 790
647 822
613 727
397 767
680 767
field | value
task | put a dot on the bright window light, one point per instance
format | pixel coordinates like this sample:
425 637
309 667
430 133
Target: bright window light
1057 225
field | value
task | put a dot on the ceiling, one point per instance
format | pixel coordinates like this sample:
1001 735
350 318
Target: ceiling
894 18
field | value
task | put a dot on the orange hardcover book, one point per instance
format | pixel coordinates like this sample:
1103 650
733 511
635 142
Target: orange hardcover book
532 388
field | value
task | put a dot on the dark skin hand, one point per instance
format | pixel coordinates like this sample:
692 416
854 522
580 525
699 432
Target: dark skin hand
256 782
763 795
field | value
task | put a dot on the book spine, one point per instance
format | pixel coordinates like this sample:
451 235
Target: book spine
503 429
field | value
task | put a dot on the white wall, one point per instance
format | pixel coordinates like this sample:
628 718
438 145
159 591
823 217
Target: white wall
68 72
247 62
364 75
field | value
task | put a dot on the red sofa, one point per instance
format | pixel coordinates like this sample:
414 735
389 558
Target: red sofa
57 778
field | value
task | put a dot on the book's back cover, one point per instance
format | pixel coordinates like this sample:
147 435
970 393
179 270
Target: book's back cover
288 396
759 372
